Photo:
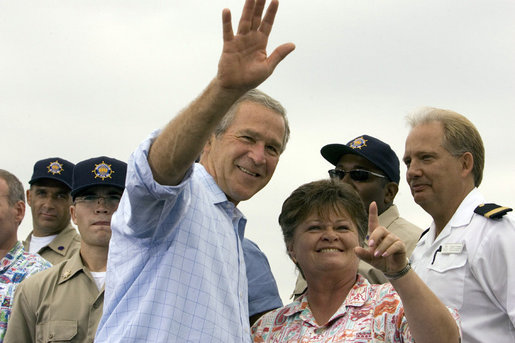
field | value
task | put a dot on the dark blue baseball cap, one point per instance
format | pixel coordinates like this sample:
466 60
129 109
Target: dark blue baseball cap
54 168
374 150
98 171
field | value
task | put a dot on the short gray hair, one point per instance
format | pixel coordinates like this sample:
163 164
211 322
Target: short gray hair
258 97
459 135
16 191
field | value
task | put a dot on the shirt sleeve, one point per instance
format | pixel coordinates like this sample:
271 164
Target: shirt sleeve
22 321
493 265
144 200
263 292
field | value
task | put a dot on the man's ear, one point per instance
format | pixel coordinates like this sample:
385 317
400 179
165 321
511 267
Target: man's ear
467 163
390 191
19 207
73 214
207 147
28 197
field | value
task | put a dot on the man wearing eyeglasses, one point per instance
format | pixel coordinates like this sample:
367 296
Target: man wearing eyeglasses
53 236
372 168
65 303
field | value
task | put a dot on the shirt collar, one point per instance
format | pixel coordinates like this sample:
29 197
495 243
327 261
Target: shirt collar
389 216
219 198
460 218
465 211
357 297
72 266
11 256
63 242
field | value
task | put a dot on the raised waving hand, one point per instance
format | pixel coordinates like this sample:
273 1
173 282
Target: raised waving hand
244 63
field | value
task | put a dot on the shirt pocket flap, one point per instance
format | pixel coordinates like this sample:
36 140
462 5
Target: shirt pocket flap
447 262
57 331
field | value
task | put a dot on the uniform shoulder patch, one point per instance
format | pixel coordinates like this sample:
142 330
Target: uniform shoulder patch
492 211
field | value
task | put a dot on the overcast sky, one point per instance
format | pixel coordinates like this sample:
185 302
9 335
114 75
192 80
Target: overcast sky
80 79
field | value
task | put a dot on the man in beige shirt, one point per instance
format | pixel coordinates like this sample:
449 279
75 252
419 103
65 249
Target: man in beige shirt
372 168
53 237
65 302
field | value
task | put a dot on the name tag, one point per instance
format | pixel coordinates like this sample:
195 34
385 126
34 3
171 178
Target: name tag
452 248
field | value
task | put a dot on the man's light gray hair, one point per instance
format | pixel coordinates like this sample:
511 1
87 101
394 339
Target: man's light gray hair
258 97
16 192
460 135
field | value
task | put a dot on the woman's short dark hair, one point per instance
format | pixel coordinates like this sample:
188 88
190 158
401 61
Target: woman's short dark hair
324 197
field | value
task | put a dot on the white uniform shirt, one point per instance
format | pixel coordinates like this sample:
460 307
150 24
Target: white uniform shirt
470 266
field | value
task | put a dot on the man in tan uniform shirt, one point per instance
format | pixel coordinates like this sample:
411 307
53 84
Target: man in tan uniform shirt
53 237
65 302
372 168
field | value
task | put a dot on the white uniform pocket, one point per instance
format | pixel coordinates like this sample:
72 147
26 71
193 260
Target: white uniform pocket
447 277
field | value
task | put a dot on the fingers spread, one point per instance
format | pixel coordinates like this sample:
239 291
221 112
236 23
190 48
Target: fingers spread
246 17
258 12
227 25
268 20
279 54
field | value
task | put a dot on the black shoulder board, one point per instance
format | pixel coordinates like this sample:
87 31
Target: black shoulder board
492 211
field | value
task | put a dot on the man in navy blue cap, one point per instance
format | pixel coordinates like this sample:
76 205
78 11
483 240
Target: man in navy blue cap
53 236
65 303
372 168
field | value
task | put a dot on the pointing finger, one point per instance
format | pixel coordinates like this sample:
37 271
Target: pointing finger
373 221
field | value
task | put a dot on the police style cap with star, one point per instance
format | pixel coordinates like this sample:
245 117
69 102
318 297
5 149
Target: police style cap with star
98 171
372 149
54 168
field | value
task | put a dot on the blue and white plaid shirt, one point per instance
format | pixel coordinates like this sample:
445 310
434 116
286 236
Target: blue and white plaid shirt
175 271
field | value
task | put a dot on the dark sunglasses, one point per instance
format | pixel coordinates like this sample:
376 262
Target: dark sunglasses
355 174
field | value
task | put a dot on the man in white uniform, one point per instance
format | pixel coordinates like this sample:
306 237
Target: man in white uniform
466 256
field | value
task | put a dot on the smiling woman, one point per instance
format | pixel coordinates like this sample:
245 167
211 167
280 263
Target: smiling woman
324 223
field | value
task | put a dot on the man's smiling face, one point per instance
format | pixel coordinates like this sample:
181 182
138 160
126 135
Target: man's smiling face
243 159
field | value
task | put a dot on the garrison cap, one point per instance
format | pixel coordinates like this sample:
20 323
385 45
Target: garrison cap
54 168
98 171
374 150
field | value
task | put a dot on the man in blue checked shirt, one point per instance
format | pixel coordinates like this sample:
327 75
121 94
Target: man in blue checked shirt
176 271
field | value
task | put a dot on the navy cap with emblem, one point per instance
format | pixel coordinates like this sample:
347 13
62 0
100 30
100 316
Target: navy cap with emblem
54 168
374 150
98 171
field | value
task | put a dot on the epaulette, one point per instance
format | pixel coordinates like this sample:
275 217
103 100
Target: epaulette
492 211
